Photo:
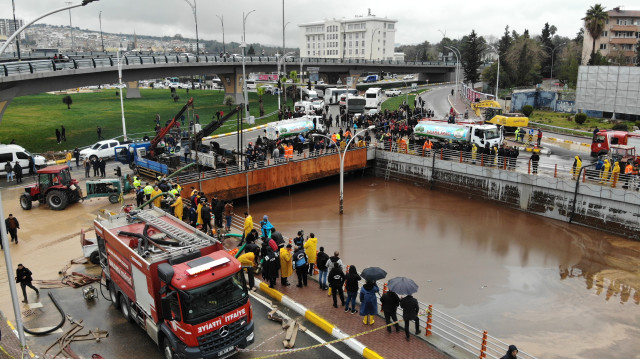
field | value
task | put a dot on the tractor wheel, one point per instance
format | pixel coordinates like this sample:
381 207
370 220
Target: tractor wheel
95 257
57 200
26 201
113 198
132 165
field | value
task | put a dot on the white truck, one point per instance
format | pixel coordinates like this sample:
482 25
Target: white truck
101 149
478 134
373 95
302 125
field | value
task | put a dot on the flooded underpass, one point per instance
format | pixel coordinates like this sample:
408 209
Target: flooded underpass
555 290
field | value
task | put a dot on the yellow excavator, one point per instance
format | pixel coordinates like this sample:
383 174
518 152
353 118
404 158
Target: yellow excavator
493 113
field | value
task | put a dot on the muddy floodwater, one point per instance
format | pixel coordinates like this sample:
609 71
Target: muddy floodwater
555 290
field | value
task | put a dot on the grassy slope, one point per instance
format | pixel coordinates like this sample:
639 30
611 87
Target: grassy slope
32 120
562 120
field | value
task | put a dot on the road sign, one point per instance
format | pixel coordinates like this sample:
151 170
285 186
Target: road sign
349 81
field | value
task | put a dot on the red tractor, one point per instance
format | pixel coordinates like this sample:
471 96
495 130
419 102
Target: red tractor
53 185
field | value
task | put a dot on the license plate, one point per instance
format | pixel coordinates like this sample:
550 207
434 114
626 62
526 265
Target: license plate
225 351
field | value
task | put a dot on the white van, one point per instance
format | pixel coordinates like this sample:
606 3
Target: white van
13 153
373 96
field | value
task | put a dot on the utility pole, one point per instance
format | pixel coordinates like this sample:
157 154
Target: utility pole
15 28
224 50
101 38
73 44
194 8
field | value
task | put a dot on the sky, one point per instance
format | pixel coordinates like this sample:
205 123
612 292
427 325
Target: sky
418 20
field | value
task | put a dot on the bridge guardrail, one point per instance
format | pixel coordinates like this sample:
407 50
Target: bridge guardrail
20 67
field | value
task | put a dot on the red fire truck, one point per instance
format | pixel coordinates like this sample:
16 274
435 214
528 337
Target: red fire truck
177 283
602 141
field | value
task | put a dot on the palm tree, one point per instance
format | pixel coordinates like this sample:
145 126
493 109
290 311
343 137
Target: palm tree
595 20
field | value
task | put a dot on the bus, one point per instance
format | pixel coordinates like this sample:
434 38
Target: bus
332 95
373 95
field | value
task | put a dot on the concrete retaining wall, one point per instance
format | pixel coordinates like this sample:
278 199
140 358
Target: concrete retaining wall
609 209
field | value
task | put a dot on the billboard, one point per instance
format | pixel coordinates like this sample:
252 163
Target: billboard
608 89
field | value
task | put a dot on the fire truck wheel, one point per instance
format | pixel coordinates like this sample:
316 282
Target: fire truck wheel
114 295
25 201
166 349
125 307
95 257
57 200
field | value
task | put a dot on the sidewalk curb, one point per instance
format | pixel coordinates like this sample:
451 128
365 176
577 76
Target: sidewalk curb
318 321
568 141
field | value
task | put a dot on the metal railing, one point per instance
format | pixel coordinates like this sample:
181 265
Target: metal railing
49 65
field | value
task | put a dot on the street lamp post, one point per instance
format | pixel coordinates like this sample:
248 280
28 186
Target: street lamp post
17 32
498 72
457 64
101 38
371 49
194 8
244 76
342 156
281 90
121 85
301 77
553 51
224 51
15 28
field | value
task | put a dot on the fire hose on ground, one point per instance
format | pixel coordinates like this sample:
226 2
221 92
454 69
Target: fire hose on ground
53 329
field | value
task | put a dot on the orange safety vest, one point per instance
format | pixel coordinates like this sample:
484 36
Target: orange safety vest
333 138
628 169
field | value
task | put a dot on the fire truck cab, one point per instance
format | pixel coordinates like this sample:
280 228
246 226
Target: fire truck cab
604 139
180 285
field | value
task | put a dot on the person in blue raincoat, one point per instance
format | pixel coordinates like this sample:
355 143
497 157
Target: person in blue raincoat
368 302
266 227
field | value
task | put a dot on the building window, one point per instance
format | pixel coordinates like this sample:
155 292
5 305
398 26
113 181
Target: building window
350 44
390 26
363 43
603 46
350 51
605 33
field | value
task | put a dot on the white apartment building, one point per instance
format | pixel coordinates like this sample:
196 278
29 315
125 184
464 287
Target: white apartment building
8 27
362 37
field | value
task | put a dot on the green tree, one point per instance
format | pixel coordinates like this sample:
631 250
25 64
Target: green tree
229 101
251 51
504 45
260 92
67 101
569 63
471 57
293 75
524 58
547 48
595 19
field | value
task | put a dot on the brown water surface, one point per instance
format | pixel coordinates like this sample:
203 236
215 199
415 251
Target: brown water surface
555 290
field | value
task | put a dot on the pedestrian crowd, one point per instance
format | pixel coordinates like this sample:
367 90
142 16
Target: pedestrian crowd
277 258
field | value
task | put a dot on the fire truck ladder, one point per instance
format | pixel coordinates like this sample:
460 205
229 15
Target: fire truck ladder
185 238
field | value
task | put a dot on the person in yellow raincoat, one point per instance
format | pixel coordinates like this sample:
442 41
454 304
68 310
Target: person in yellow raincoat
199 212
577 165
286 265
247 261
178 207
248 225
615 174
157 202
310 248
604 176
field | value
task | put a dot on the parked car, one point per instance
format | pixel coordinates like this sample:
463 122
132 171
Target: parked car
101 149
268 89
392 92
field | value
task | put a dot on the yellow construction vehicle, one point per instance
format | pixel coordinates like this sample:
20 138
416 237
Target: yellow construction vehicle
493 114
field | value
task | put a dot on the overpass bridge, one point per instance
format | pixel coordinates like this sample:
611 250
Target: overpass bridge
37 76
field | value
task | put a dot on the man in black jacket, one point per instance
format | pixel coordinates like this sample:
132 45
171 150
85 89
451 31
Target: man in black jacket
390 303
23 276
12 225
410 308
321 261
270 266
277 237
205 212
218 208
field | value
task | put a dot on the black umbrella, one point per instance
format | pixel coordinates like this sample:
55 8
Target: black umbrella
373 273
402 285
